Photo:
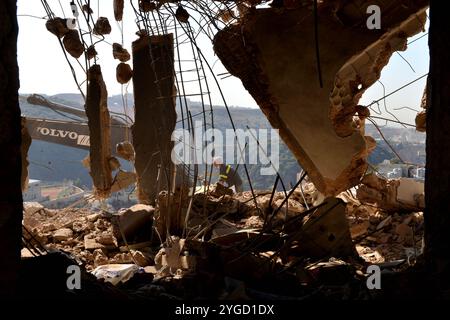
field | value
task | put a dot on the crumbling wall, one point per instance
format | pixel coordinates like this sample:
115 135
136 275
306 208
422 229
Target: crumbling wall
273 52
10 158
99 132
155 115
25 146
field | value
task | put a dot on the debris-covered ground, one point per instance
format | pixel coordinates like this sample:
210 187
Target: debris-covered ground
235 246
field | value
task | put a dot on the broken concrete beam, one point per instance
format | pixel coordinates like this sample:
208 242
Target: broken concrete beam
319 125
172 212
62 234
325 233
99 132
155 115
129 221
392 195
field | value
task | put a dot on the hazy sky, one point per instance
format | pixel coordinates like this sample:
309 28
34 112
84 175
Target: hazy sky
43 68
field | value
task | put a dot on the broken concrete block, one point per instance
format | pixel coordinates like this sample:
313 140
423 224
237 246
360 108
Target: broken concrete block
31 208
124 257
140 259
182 15
317 123
421 121
47 227
118 9
409 192
99 132
102 26
123 73
155 115
87 9
325 233
169 257
392 195
91 244
120 53
93 217
106 239
128 221
57 26
72 44
359 229
62 234
147 5
91 52
100 258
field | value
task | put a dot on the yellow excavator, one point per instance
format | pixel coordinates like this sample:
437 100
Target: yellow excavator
73 133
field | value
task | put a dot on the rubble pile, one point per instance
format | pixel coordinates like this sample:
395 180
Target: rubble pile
236 245
383 236
88 236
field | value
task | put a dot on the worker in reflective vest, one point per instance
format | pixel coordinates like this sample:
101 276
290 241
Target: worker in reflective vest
228 174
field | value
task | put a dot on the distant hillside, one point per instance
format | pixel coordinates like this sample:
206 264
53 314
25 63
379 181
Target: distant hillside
52 162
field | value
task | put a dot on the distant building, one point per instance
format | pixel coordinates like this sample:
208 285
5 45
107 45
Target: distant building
419 173
34 192
390 170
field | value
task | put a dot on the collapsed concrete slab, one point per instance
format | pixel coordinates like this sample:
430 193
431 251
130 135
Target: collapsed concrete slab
128 221
155 115
392 195
99 132
272 51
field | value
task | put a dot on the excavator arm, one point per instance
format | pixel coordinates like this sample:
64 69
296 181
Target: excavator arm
72 133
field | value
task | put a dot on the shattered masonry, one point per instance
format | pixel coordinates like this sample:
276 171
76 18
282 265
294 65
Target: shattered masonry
155 114
317 123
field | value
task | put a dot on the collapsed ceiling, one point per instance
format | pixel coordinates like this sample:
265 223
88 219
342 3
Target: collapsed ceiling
273 51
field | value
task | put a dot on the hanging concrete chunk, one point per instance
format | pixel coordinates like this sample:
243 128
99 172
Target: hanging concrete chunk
155 115
120 53
123 73
273 52
99 132
72 44
147 5
91 52
57 26
87 9
102 26
182 15
118 9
